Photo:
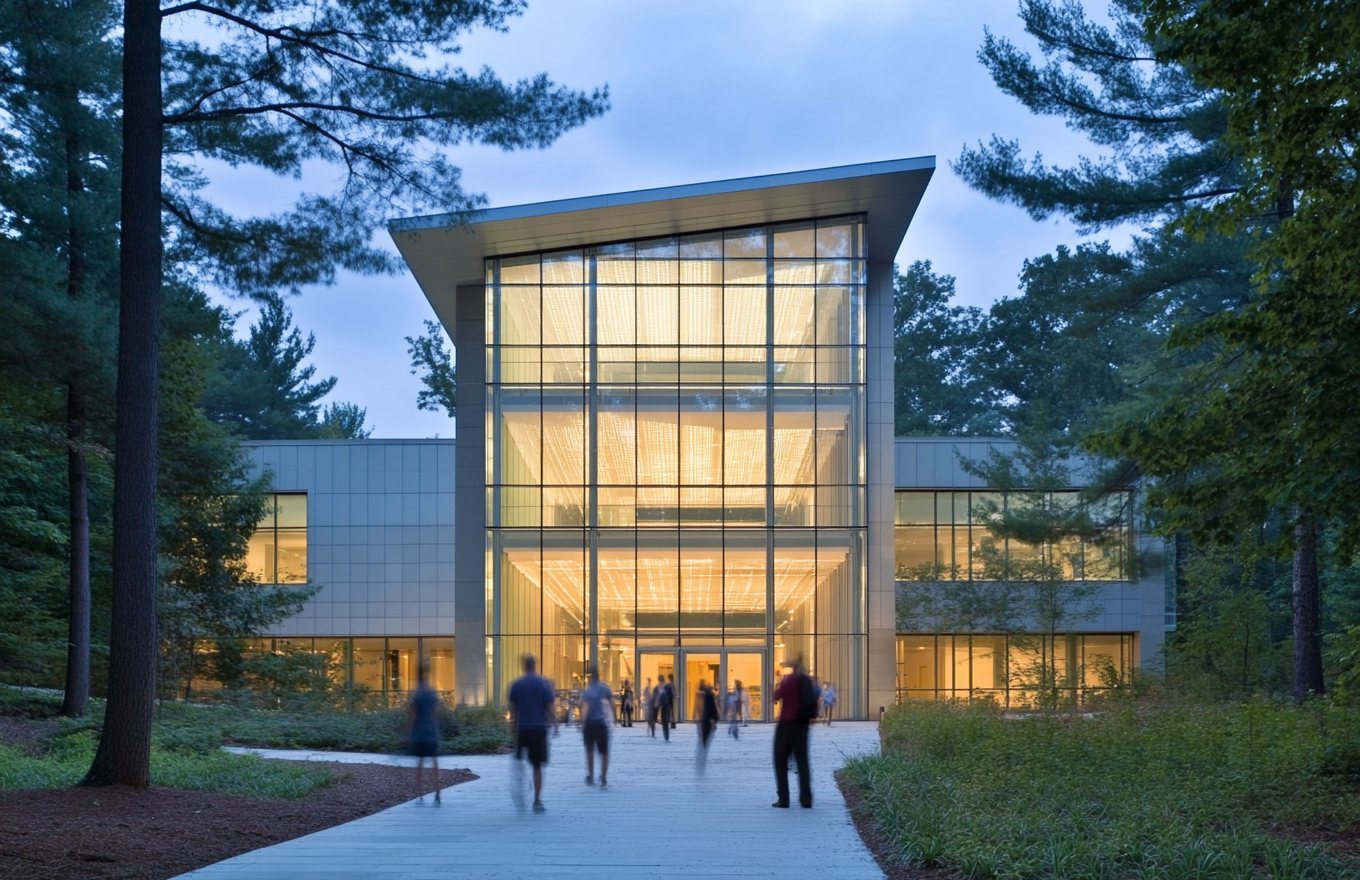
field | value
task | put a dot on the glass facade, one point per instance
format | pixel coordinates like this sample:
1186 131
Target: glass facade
675 436
277 551
939 537
1010 669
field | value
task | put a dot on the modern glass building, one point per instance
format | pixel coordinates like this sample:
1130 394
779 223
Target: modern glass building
676 406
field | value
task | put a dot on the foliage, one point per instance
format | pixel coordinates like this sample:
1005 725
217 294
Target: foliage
440 375
1161 131
1232 640
262 390
242 775
344 421
210 507
1267 422
32 552
937 388
1176 791
464 730
356 85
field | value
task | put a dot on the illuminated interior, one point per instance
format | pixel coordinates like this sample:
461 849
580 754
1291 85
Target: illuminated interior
675 430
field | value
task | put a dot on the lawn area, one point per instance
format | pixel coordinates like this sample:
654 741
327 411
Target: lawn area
39 749
1177 791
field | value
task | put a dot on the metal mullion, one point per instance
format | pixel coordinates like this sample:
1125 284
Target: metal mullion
592 464
769 445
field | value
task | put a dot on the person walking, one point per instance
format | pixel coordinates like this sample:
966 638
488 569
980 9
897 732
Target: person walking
422 726
708 718
649 708
597 716
674 695
532 711
664 696
734 698
626 704
797 698
828 702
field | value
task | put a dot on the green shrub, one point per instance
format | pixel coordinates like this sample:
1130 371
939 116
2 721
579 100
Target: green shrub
1178 792
466 730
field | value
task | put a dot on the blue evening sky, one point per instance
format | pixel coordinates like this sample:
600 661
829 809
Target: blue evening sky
706 90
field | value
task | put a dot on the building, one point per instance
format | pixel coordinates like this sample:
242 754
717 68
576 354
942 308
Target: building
675 456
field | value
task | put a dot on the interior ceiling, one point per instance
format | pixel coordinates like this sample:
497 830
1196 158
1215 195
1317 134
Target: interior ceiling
448 250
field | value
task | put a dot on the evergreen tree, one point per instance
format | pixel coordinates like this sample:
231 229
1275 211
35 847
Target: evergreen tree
1273 414
263 390
58 88
937 390
281 84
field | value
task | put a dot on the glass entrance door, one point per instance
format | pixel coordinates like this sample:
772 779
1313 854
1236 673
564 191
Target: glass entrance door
747 667
721 668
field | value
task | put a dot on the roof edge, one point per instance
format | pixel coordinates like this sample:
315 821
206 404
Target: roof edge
641 196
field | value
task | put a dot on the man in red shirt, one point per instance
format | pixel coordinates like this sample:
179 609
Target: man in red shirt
791 736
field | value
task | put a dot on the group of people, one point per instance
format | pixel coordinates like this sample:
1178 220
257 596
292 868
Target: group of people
532 707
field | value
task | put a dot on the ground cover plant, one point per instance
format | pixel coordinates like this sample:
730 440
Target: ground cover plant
1207 792
463 731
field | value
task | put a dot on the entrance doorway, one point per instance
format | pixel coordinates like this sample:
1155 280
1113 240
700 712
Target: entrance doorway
721 668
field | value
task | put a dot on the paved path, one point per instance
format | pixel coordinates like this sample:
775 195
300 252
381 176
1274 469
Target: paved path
659 818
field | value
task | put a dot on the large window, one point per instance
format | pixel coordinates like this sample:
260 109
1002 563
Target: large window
941 536
676 442
1010 669
277 552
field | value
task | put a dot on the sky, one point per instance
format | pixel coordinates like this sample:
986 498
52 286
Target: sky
707 90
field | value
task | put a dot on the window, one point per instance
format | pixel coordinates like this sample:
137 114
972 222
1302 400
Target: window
1011 669
943 536
277 552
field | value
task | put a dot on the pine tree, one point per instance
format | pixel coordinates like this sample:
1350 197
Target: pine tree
282 84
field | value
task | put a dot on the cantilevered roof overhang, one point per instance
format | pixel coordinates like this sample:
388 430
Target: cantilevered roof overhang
448 250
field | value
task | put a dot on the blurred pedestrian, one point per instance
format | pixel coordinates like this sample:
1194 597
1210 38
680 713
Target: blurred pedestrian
597 716
626 704
828 702
532 711
422 729
733 707
664 696
649 708
708 718
797 697
674 695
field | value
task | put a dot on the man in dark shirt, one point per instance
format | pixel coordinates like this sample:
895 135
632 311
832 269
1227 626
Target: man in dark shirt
531 708
665 703
791 737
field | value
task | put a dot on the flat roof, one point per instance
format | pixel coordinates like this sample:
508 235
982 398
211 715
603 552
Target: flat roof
448 250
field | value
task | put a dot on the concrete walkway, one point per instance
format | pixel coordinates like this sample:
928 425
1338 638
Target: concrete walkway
659 818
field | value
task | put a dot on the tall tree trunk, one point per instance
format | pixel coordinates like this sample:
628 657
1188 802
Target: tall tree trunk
124 754
1307 610
77 692
78 629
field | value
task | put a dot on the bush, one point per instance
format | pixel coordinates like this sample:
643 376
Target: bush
1182 791
70 751
463 731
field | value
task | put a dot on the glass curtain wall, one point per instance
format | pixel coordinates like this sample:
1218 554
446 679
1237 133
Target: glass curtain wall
1006 668
676 436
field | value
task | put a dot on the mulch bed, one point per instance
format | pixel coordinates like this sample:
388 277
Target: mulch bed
879 845
106 833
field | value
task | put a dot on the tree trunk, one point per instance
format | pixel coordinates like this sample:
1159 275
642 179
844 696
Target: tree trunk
78 629
1307 613
124 754
77 692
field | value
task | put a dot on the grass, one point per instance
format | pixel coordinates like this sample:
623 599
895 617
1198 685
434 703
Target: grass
1210 793
70 749
187 739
